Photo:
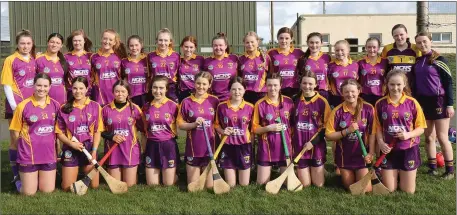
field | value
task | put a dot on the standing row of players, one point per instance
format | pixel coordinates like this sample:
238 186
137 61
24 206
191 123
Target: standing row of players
111 63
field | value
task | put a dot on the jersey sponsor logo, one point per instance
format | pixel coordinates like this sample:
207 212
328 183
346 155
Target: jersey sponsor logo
33 118
82 129
404 68
21 72
343 124
157 128
56 81
251 77
164 73
187 77
108 75
223 76
392 129
81 72
44 130
287 73
320 77
335 74
122 132
127 71
28 83
353 136
306 126
207 123
71 118
138 80
238 131
98 66
374 83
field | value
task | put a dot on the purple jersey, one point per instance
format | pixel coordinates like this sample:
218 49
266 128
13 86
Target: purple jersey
341 118
286 65
35 124
125 122
372 76
190 109
428 80
310 118
106 71
83 122
136 72
187 70
319 65
237 118
164 65
338 72
19 73
406 116
222 71
254 71
270 147
53 68
161 120
78 65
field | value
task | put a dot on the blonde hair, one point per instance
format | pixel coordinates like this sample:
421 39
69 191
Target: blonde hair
119 47
262 53
165 31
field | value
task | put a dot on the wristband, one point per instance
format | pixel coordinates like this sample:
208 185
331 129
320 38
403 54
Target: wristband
94 148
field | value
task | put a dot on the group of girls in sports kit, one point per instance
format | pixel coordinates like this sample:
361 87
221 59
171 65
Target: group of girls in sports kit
139 100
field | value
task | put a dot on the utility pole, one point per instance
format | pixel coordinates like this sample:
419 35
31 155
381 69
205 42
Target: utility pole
323 7
422 16
272 30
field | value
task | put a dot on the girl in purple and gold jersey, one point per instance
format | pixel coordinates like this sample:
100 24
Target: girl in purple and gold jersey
253 68
371 72
106 66
161 153
80 118
270 151
311 114
78 58
233 119
17 77
399 119
285 60
351 115
164 61
195 111
222 65
33 126
433 90
135 70
190 65
340 69
53 63
122 120
316 61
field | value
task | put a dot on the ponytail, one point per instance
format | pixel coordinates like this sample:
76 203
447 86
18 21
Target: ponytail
120 50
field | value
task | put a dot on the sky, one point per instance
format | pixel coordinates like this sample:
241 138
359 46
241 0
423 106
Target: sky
285 13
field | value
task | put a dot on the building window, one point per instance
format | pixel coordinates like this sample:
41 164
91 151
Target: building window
376 35
325 38
440 37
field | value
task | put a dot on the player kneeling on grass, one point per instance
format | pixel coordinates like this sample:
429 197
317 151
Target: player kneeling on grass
122 119
399 118
81 118
195 111
232 119
161 153
352 115
270 151
33 126
312 112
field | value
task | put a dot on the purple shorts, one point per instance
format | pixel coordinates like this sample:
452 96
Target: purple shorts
405 160
323 93
433 107
290 92
139 100
171 92
183 94
37 167
120 166
71 157
236 156
275 163
161 155
372 99
305 163
348 161
334 101
252 97
197 162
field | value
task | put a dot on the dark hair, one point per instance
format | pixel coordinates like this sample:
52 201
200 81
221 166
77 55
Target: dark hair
313 34
305 74
26 33
423 34
288 31
68 106
42 76
236 79
204 74
191 39
124 84
139 39
359 106
160 78
119 47
400 26
221 35
87 42
62 60
275 75
401 73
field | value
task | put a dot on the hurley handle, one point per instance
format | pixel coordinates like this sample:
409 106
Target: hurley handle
283 138
302 152
207 142
381 158
220 146
108 153
362 145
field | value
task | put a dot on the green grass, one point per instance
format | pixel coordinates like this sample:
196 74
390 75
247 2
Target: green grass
433 196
